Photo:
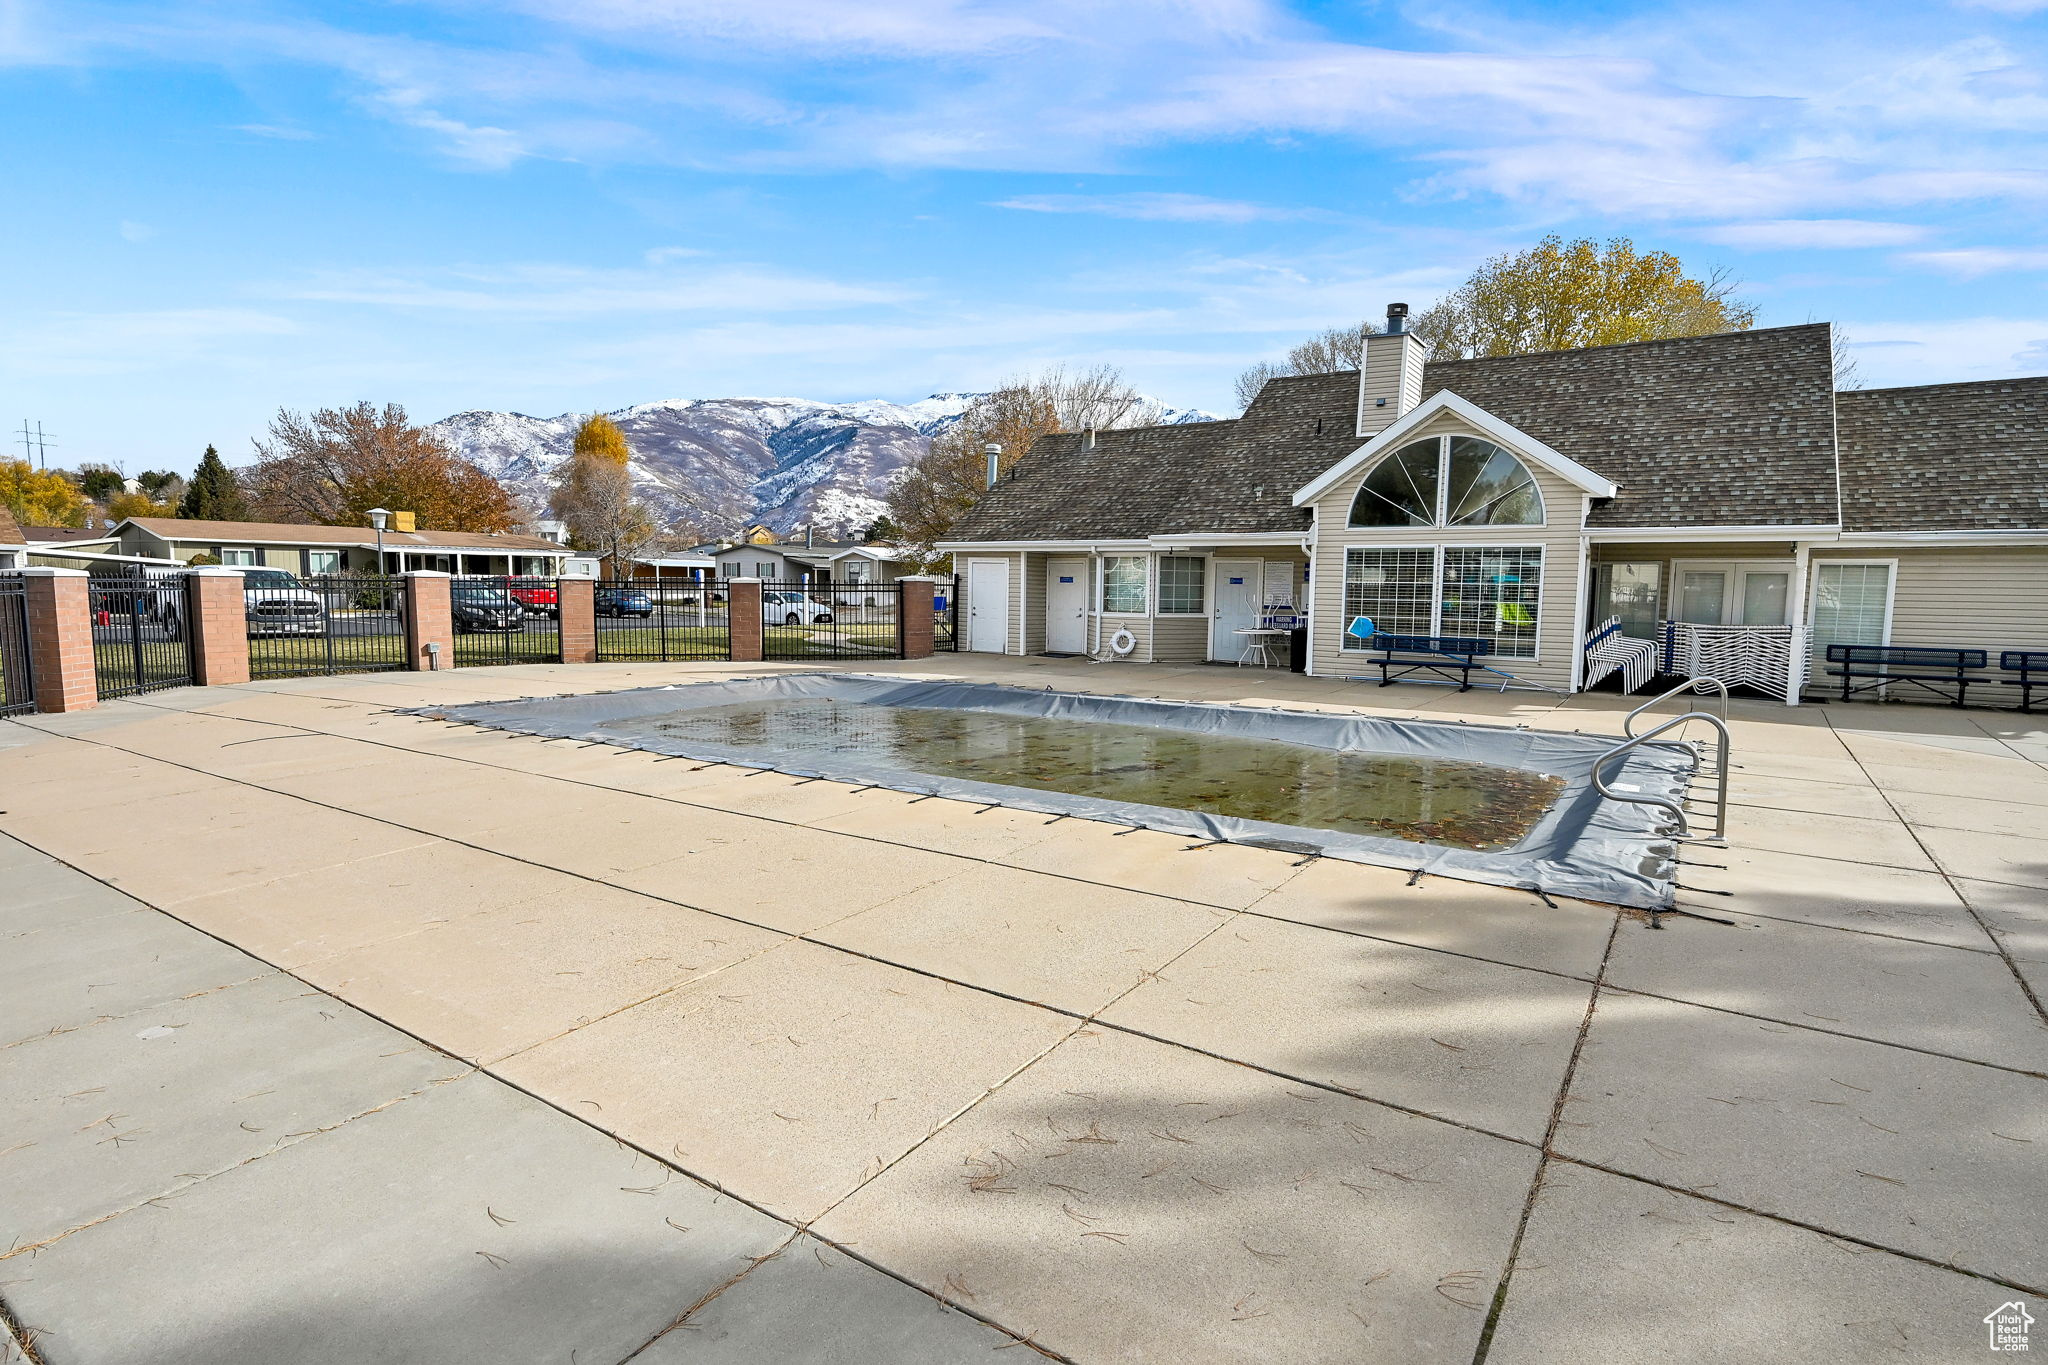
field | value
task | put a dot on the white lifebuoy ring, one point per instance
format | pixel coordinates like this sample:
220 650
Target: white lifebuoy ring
1123 642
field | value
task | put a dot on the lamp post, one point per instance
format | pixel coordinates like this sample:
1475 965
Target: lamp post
379 518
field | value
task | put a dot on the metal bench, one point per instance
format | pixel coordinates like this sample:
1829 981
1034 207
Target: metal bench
1928 669
2032 667
1444 654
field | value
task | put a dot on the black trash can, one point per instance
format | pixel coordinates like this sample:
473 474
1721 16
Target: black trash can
1297 650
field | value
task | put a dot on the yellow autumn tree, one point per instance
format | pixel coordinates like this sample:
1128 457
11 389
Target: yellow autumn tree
40 497
594 496
1559 295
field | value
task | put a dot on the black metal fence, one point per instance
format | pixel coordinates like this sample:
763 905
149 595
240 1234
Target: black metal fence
141 634
946 614
17 683
648 619
831 620
330 624
499 620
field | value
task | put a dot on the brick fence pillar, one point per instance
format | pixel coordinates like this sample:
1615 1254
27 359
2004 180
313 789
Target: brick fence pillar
743 618
427 620
576 599
60 657
915 632
219 638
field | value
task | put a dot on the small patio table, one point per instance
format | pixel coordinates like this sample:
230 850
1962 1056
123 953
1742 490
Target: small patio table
1261 645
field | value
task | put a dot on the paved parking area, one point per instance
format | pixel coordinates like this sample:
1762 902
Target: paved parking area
335 1035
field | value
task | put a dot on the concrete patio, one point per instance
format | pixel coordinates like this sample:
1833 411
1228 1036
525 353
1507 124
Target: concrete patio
334 1035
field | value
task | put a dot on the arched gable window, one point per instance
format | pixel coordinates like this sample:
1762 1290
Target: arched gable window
1448 481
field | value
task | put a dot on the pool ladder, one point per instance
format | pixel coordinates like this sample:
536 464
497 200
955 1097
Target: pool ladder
1718 774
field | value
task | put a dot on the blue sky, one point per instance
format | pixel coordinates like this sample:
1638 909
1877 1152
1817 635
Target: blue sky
222 206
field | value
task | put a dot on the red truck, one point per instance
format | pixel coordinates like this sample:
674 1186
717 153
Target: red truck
538 597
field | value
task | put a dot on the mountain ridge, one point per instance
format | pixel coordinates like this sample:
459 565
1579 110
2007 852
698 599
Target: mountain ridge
725 462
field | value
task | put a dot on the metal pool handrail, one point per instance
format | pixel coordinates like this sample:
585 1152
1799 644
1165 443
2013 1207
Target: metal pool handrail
1720 834
1698 685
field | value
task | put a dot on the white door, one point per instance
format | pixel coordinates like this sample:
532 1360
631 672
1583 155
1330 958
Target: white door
1237 606
1066 606
988 606
1732 593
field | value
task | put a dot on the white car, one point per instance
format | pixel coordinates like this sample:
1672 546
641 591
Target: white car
793 609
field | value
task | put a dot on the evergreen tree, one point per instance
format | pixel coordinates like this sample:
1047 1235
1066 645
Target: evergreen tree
214 493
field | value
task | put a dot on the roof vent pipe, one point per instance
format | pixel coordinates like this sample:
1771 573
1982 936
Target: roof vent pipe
1088 438
995 461
1397 318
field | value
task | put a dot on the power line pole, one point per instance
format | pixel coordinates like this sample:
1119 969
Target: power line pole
37 442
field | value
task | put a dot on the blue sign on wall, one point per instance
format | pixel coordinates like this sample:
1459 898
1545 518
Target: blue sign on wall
1237 580
1066 578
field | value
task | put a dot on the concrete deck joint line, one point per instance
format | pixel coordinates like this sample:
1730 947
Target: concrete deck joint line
1507 1273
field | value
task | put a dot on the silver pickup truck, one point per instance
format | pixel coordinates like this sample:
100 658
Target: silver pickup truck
278 604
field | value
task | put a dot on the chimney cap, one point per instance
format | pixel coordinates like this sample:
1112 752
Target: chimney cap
1397 317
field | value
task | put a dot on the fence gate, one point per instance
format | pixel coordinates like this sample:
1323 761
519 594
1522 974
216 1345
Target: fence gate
946 614
329 624
17 683
644 619
831 620
499 620
141 633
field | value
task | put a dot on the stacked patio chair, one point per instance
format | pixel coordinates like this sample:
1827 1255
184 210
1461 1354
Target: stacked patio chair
1610 651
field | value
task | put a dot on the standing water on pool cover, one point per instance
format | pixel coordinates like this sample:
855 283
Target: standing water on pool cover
1431 800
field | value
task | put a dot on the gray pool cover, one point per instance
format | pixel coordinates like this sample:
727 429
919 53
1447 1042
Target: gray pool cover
1585 846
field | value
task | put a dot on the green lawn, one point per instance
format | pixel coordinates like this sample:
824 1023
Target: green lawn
648 642
281 656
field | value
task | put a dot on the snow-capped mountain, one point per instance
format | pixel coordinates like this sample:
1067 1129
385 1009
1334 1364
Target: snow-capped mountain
724 462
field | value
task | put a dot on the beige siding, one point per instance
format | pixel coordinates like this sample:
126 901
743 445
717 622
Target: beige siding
1180 639
1558 604
1965 597
1031 593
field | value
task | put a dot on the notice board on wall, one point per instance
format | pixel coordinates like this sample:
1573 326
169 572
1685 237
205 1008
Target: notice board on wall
1279 583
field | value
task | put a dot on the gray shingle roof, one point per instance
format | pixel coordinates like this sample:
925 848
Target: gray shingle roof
1736 429
1945 457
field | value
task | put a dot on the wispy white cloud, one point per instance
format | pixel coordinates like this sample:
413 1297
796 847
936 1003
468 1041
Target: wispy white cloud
1969 262
82 343
550 290
275 132
1809 233
1158 207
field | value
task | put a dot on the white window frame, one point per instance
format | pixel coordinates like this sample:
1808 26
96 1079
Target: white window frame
1731 591
1891 590
227 550
1441 520
1349 643
340 558
1144 588
1201 586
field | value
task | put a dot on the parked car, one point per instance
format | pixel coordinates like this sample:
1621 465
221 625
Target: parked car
539 599
484 606
624 602
278 604
794 609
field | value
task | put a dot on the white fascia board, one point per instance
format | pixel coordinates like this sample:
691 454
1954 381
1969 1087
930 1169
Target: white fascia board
969 547
1482 422
1192 539
2024 536
1611 534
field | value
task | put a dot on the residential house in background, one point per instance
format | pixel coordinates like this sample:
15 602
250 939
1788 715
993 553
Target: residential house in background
69 547
310 551
811 560
14 543
1712 488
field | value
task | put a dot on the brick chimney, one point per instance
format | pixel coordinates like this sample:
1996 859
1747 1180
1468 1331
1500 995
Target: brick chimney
1390 376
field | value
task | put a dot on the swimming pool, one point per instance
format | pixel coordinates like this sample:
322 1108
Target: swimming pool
1507 806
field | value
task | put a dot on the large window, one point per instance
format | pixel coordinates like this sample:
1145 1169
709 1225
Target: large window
240 558
1448 481
1123 584
323 562
1394 589
1180 584
1490 592
1493 594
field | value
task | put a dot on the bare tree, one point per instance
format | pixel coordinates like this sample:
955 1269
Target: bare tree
333 465
936 491
1329 352
594 495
